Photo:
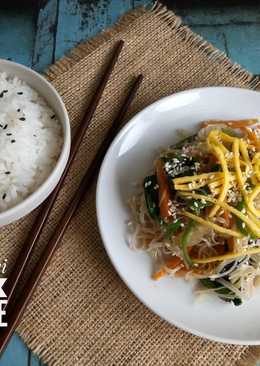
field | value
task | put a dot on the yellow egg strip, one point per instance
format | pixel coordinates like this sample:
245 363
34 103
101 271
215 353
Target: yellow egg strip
242 162
253 218
225 137
213 185
256 165
220 155
257 169
214 138
191 178
256 158
220 181
248 198
243 148
216 184
216 191
210 224
252 225
236 156
190 186
223 257
244 152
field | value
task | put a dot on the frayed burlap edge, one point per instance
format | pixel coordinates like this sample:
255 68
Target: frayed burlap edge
86 48
252 355
174 22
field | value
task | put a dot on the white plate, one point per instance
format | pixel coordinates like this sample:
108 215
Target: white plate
128 160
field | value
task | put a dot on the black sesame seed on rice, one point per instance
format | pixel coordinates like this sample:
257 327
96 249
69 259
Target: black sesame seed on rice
15 118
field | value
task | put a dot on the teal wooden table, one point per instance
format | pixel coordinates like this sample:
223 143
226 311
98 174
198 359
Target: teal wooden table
36 33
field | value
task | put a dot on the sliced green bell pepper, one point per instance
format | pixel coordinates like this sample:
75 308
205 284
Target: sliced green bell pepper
185 239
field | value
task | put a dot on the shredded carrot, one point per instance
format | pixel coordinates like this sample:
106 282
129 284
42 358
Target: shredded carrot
234 124
164 192
159 274
212 161
171 263
175 262
227 218
252 136
181 272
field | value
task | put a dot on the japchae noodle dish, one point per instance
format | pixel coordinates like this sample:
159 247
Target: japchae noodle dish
198 212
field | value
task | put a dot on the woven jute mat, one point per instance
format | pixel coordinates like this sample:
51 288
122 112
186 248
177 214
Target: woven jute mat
82 313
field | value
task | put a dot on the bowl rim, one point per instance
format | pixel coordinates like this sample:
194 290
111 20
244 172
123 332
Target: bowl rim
103 233
30 201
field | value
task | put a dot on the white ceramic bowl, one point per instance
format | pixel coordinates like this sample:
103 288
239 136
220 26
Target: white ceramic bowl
48 92
128 160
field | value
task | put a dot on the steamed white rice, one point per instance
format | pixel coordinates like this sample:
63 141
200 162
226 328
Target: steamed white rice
30 140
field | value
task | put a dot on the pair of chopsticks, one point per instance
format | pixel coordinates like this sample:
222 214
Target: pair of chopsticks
15 308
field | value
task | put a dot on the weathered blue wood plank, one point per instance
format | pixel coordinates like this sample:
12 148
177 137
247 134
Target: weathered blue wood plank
17 35
45 37
33 360
79 20
137 3
244 46
241 46
16 353
214 35
222 15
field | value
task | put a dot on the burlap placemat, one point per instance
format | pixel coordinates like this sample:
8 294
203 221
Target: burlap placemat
82 313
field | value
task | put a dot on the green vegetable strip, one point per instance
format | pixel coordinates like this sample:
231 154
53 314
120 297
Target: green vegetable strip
197 205
171 229
240 224
221 290
152 197
185 239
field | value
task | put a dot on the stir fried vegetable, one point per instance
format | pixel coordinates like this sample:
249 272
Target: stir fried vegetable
172 228
198 205
164 191
152 196
203 201
224 293
240 224
185 239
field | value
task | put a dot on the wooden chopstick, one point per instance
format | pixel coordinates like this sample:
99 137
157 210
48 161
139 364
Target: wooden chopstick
14 316
33 235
